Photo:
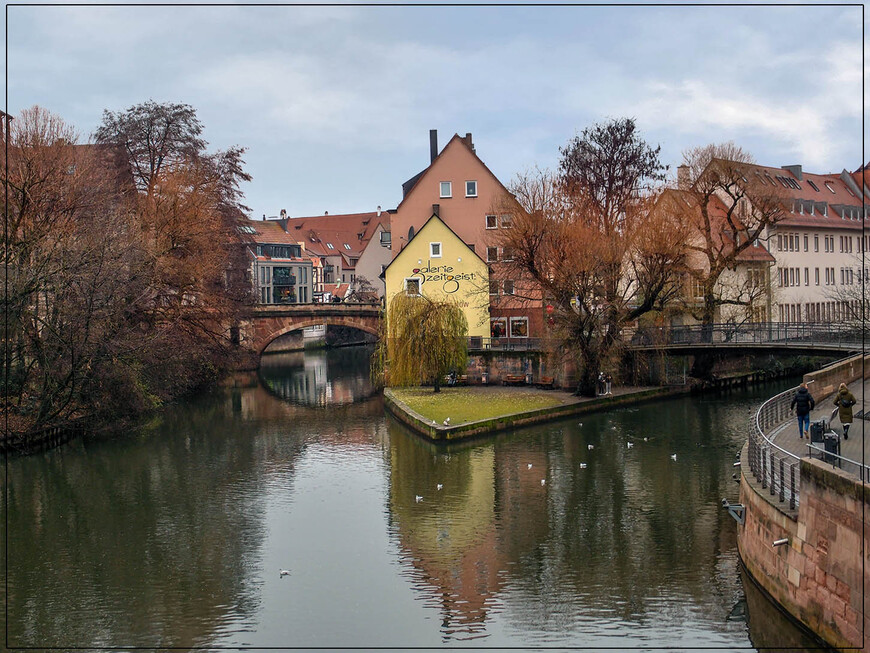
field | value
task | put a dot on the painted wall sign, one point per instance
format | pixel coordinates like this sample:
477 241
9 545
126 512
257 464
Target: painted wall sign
443 274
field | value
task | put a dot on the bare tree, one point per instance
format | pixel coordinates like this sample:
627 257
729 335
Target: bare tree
729 211
588 240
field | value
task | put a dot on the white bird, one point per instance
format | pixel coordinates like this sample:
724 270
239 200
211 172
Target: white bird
580 424
447 422
529 466
283 572
629 445
543 481
590 446
439 486
418 498
673 456
646 439
582 465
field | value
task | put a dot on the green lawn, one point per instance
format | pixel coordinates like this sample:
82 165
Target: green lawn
469 404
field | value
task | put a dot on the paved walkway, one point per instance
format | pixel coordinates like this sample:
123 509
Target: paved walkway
856 448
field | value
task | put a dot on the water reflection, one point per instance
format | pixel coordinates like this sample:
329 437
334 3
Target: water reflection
320 377
173 535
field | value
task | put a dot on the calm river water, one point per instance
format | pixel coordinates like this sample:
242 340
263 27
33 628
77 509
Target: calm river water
174 535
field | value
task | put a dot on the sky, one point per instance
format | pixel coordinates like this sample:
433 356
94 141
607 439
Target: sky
334 103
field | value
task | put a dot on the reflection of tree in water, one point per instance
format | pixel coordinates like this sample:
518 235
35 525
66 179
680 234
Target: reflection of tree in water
612 541
319 377
157 534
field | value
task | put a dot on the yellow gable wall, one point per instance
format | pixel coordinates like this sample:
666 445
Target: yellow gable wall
458 274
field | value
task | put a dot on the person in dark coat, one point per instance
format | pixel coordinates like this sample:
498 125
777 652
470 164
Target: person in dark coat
802 403
844 402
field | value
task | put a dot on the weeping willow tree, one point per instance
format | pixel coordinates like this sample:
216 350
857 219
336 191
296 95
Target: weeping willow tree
425 339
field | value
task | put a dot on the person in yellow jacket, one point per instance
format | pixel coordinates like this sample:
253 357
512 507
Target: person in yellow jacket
844 402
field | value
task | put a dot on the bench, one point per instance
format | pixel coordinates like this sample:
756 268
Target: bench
514 379
546 382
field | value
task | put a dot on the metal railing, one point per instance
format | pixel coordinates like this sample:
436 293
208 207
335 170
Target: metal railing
817 450
477 343
783 333
774 467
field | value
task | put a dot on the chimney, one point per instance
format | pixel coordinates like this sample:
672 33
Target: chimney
468 141
326 213
264 217
683 177
379 210
436 210
796 170
433 144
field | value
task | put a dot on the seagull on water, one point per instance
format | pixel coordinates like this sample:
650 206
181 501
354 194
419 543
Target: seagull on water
529 466
439 486
283 572
590 446
673 456
418 498
582 465
629 445
543 481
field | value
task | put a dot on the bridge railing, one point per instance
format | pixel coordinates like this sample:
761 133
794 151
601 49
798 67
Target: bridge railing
799 333
774 467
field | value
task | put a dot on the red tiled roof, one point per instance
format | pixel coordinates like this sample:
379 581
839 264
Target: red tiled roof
338 230
270 232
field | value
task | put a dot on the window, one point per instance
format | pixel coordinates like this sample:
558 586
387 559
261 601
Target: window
435 250
816 243
329 245
493 287
491 222
386 238
507 254
446 189
412 286
519 327
346 246
815 188
806 243
506 221
471 189
806 276
508 287
498 327
830 187
492 254
817 276
779 243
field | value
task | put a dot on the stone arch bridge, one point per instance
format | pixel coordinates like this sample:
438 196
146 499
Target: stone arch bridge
266 323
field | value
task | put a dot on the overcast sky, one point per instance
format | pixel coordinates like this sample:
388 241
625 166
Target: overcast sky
335 104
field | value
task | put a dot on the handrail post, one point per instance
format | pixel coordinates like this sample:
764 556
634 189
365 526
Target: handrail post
781 480
792 498
763 466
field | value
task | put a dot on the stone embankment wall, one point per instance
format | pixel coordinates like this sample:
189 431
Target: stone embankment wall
820 576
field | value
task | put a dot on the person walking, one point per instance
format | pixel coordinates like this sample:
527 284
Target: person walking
802 403
844 402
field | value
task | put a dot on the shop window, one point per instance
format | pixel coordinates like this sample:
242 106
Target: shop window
498 327
519 327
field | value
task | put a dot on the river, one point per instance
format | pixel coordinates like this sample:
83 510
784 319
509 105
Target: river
174 535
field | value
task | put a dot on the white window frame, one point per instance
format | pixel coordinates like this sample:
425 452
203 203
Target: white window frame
492 260
432 247
441 192
471 181
416 282
509 289
506 221
518 319
494 221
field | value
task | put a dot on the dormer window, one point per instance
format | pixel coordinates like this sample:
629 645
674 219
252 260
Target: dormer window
346 246
830 186
811 183
329 245
446 189
471 189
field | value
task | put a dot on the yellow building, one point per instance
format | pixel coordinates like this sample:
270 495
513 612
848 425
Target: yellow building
436 263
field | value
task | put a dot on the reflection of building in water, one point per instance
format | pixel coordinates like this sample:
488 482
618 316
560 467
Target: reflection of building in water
454 536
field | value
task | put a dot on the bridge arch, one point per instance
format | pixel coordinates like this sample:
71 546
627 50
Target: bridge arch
270 322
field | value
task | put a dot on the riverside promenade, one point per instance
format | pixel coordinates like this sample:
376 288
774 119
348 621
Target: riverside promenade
856 448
